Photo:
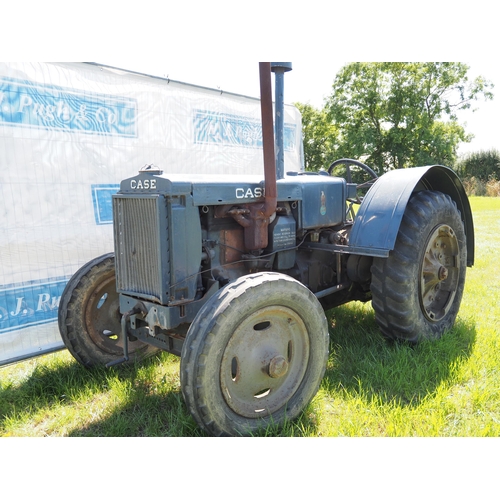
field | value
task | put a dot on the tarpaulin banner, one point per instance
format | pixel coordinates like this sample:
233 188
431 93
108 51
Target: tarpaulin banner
69 133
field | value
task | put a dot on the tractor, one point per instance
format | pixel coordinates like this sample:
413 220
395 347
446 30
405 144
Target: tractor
234 274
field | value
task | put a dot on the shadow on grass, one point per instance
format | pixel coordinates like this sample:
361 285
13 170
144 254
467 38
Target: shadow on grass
56 387
361 363
365 364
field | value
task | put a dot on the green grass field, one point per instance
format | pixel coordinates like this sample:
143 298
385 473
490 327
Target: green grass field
372 387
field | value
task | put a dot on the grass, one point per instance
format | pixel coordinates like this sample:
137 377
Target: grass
372 387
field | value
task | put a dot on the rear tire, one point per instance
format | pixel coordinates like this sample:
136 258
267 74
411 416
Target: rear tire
254 356
89 316
417 290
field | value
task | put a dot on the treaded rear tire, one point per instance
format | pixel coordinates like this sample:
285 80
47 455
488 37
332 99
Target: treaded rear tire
89 317
417 290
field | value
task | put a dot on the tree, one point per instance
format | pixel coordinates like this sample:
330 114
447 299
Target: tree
483 165
397 115
320 137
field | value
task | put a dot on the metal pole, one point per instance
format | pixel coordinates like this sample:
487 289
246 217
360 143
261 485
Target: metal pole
279 69
266 100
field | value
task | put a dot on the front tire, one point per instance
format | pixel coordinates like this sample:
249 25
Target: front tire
255 355
417 290
89 316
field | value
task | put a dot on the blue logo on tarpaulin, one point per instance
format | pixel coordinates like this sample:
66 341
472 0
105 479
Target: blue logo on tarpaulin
28 304
233 130
102 199
34 105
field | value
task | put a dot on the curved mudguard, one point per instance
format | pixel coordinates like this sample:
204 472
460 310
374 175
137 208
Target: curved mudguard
378 219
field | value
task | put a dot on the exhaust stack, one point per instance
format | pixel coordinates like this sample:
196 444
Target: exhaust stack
266 111
255 217
279 69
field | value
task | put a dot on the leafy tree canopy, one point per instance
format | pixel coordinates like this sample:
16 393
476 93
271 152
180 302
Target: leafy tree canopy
483 165
320 137
392 115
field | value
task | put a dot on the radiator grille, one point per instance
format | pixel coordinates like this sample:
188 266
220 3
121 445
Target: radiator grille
141 246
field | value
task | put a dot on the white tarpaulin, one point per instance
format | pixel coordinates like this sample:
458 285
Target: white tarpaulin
69 133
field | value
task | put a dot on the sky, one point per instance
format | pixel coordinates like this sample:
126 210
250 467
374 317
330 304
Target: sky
217 44
310 81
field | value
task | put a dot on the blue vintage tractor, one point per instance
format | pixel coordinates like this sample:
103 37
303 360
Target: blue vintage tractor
234 273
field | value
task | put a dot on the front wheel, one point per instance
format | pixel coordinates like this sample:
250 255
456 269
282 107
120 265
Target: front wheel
254 355
417 290
89 316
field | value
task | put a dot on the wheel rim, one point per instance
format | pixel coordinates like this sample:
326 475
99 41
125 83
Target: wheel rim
264 362
440 273
102 317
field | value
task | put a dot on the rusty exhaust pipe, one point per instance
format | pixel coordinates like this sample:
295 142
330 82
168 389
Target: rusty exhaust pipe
266 111
255 217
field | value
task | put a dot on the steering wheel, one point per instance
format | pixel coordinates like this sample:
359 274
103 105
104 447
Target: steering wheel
347 162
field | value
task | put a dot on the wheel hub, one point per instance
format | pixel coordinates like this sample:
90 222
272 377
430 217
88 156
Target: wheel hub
102 317
440 271
265 361
278 366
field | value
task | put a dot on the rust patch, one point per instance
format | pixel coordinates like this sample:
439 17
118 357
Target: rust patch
233 245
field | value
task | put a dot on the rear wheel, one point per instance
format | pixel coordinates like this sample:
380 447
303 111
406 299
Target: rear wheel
417 290
89 316
255 355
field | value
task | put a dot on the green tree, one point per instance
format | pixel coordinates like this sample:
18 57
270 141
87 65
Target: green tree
398 115
483 165
319 137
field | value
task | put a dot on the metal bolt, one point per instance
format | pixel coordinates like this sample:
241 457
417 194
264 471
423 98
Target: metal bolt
278 366
442 273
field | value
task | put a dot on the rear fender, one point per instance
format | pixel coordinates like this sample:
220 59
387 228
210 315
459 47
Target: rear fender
379 216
